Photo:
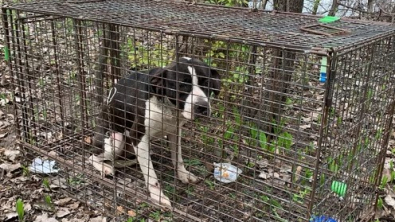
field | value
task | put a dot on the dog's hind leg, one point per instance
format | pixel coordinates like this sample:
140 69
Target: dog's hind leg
176 156
147 168
113 146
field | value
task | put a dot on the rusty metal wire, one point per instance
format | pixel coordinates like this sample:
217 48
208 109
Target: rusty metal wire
277 29
293 136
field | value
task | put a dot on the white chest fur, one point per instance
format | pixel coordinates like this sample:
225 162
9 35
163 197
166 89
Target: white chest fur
161 118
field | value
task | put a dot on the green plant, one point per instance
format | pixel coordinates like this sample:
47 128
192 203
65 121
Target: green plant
155 215
285 140
300 196
207 140
46 183
227 2
380 203
263 140
25 171
333 166
288 101
48 201
170 190
192 162
210 184
148 56
190 190
384 181
76 180
20 210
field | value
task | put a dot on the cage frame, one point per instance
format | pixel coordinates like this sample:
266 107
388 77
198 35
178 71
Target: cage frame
331 53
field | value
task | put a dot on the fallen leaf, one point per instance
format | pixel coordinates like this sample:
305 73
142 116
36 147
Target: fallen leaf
307 126
44 218
98 219
297 173
27 207
2 135
63 201
390 201
132 213
74 205
62 213
120 210
10 216
264 175
88 140
11 154
10 167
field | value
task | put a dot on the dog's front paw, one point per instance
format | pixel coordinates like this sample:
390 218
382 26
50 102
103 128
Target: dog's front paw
187 177
157 194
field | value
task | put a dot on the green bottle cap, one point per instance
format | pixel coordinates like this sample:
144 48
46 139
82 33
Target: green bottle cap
339 188
6 53
329 19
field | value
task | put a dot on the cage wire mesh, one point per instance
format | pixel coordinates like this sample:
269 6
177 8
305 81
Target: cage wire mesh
304 110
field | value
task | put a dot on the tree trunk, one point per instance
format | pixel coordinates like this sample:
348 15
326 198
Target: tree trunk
315 7
370 6
334 8
289 5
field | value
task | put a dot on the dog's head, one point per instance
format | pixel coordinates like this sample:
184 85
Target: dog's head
188 85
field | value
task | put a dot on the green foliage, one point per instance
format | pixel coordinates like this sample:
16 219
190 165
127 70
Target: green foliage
25 171
333 166
229 3
380 203
20 210
300 196
148 56
384 181
155 215
46 183
262 140
48 201
285 140
208 140
210 184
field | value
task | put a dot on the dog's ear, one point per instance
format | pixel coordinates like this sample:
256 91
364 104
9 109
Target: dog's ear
215 83
157 81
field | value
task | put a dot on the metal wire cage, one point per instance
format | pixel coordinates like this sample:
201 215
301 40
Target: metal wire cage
304 110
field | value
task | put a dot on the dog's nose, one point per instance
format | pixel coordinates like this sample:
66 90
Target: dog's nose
202 109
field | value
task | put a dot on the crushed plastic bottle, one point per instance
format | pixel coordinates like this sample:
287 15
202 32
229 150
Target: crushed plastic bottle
226 172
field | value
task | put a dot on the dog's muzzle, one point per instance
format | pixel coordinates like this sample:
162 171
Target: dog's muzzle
201 109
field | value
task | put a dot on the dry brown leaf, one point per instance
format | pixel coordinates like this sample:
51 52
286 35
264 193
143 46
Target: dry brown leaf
132 213
11 154
88 140
120 210
390 201
74 205
98 219
44 218
62 213
297 173
62 202
10 167
307 126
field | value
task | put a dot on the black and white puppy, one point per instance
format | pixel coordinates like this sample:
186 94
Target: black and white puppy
145 106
